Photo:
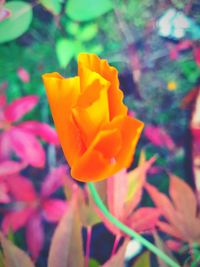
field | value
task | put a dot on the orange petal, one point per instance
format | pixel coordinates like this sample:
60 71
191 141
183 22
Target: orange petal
131 130
97 162
115 95
91 118
92 166
62 95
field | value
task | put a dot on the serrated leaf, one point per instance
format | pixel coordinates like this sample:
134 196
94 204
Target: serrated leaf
84 10
88 32
65 51
54 6
18 23
143 260
13 256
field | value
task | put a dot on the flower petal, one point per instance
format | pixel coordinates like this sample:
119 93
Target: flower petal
112 150
19 107
115 95
62 95
92 110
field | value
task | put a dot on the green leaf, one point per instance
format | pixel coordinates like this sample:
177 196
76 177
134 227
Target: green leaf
87 32
54 6
84 10
72 27
93 263
18 23
95 49
143 260
65 51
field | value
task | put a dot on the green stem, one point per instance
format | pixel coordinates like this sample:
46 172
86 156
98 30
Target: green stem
129 231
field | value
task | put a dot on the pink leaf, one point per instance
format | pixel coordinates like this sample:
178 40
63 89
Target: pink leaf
184 45
19 107
2 99
23 75
144 219
21 188
42 130
183 198
13 256
174 245
9 167
159 137
118 258
35 235
161 201
27 147
54 209
53 180
116 193
66 246
5 146
4 197
173 53
196 53
15 220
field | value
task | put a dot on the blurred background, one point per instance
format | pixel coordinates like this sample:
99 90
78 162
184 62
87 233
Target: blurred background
155 45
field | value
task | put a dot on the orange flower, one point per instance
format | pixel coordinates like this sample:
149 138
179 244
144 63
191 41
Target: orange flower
96 134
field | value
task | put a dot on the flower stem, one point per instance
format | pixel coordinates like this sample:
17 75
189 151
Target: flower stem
87 254
116 242
129 231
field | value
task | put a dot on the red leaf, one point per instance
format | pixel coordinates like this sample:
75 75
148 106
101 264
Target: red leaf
27 147
15 219
23 75
53 180
35 235
19 107
42 130
9 167
144 219
159 137
21 188
54 209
